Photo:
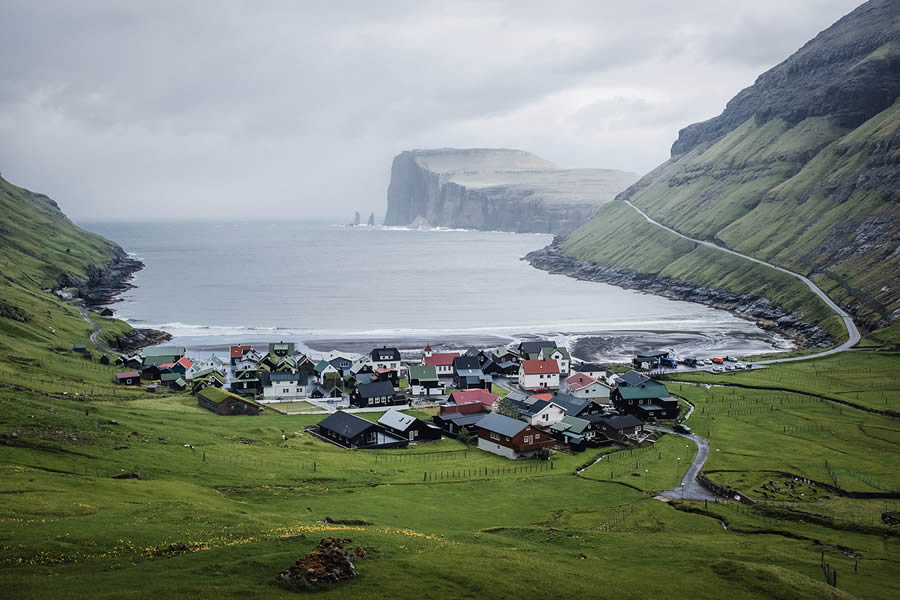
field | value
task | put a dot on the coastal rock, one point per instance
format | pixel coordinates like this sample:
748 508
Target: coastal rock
328 563
103 284
496 190
769 316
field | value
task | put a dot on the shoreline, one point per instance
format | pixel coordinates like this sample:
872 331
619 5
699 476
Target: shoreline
758 310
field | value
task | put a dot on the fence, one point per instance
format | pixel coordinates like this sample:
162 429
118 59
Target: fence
483 472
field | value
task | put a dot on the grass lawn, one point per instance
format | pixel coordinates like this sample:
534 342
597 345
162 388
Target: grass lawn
295 406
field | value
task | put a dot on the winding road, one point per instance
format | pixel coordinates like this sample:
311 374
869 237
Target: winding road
94 339
852 331
689 488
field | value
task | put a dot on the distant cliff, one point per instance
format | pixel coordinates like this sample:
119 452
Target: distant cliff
496 189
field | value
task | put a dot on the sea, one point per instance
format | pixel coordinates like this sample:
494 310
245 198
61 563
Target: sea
325 286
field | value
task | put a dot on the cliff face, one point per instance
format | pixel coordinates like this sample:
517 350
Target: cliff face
802 170
487 189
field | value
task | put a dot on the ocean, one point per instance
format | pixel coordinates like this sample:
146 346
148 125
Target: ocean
323 286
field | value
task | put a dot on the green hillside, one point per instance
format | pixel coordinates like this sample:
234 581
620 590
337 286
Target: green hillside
802 170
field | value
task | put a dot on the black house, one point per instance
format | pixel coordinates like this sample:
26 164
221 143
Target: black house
350 431
528 348
379 393
648 400
409 427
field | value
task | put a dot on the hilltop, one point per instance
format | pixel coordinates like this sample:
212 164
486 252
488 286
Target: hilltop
800 170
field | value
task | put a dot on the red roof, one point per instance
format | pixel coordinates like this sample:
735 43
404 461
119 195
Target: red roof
428 348
127 374
441 359
579 380
383 371
462 409
477 395
535 367
167 365
547 397
185 362
238 351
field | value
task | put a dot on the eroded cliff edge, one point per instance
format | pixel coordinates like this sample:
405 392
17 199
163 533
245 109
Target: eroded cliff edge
496 190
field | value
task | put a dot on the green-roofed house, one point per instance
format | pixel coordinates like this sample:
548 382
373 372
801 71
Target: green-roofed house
424 381
173 381
647 400
325 369
282 349
572 431
162 355
560 355
79 348
225 403
206 379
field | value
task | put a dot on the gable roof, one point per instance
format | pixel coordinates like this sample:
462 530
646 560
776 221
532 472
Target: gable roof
617 422
585 367
185 362
502 425
163 351
462 419
346 424
423 372
651 389
127 375
579 381
218 395
441 359
536 346
238 351
396 420
548 352
571 424
534 367
323 365
466 362
571 404
374 390
632 378
385 353
479 395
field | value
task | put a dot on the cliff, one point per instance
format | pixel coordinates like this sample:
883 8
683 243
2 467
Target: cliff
496 189
802 170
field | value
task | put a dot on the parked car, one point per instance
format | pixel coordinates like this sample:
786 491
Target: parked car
718 370
681 428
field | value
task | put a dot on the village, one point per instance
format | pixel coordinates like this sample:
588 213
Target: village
521 401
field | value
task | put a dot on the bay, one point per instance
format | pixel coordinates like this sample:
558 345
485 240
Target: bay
211 284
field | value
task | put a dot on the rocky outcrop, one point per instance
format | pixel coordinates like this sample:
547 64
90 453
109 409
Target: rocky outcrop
103 284
769 316
328 563
135 339
848 72
496 189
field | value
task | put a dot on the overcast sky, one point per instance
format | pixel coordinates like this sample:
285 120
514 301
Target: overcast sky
162 110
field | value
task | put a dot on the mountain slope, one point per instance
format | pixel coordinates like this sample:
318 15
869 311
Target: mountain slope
802 169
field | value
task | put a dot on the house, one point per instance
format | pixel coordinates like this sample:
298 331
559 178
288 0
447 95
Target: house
325 370
454 423
649 400
349 431
467 374
79 348
380 393
385 358
540 413
503 354
506 368
209 378
619 428
237 352
151 372
245 380
631 378
592 370
409 427
174 381
581 385
424 381
182 365
318 392
474 352
442 361
539 375
200 368
104 359
467 408
527 349
341 363
225 403
106 312
578 407
128 378
282 386
160 355
282 349
560 355
649 360
511 438
134 362
481 396
389 375
572 432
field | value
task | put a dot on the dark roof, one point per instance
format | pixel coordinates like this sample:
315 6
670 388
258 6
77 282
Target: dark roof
473 351
385 353
633 378
466 362
585 367
346 424
377 389
535 347
502 425
650 389
284 376
571 404
652 355
461 420
618 422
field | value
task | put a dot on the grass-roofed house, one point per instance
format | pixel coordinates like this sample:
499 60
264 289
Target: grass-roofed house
161 355
348 430
225 403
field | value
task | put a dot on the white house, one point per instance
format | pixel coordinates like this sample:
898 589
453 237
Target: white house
582 386
560 355
385 358
283 387
544 413
442 361
538 375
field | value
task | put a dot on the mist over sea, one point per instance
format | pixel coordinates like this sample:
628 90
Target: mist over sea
213 284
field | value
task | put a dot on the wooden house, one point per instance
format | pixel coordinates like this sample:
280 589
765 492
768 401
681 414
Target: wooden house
618 428
282 349
279 386
441 361
160 355
479 395
385 358
182 365
349 431
409 427
572 432
245 380
237 352
582 385
560 355
424 381
225 403
173 381
322 392
106 312
540 413
128 378
539 375
648 400
512 438
209 378
454 423
577 407
467 374
379 393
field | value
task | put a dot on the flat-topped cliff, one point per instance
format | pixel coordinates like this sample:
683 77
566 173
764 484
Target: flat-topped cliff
496 189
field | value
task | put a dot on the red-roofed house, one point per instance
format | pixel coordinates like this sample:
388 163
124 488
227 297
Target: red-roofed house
442 361
469 408
237 352
182 365
583 386
539 375
475 395
128 378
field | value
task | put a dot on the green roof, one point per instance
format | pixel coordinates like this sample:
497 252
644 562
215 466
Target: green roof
169 376
547 352
323 364
164 351
78 347
218 396
651 389
423 372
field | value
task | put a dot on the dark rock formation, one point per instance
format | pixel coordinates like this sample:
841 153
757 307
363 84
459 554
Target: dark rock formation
136 339
769 316
103 284
328 563
496 189
839 73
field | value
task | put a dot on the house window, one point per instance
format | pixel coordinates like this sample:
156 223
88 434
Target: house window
528 439
495 436
545 417
537 436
